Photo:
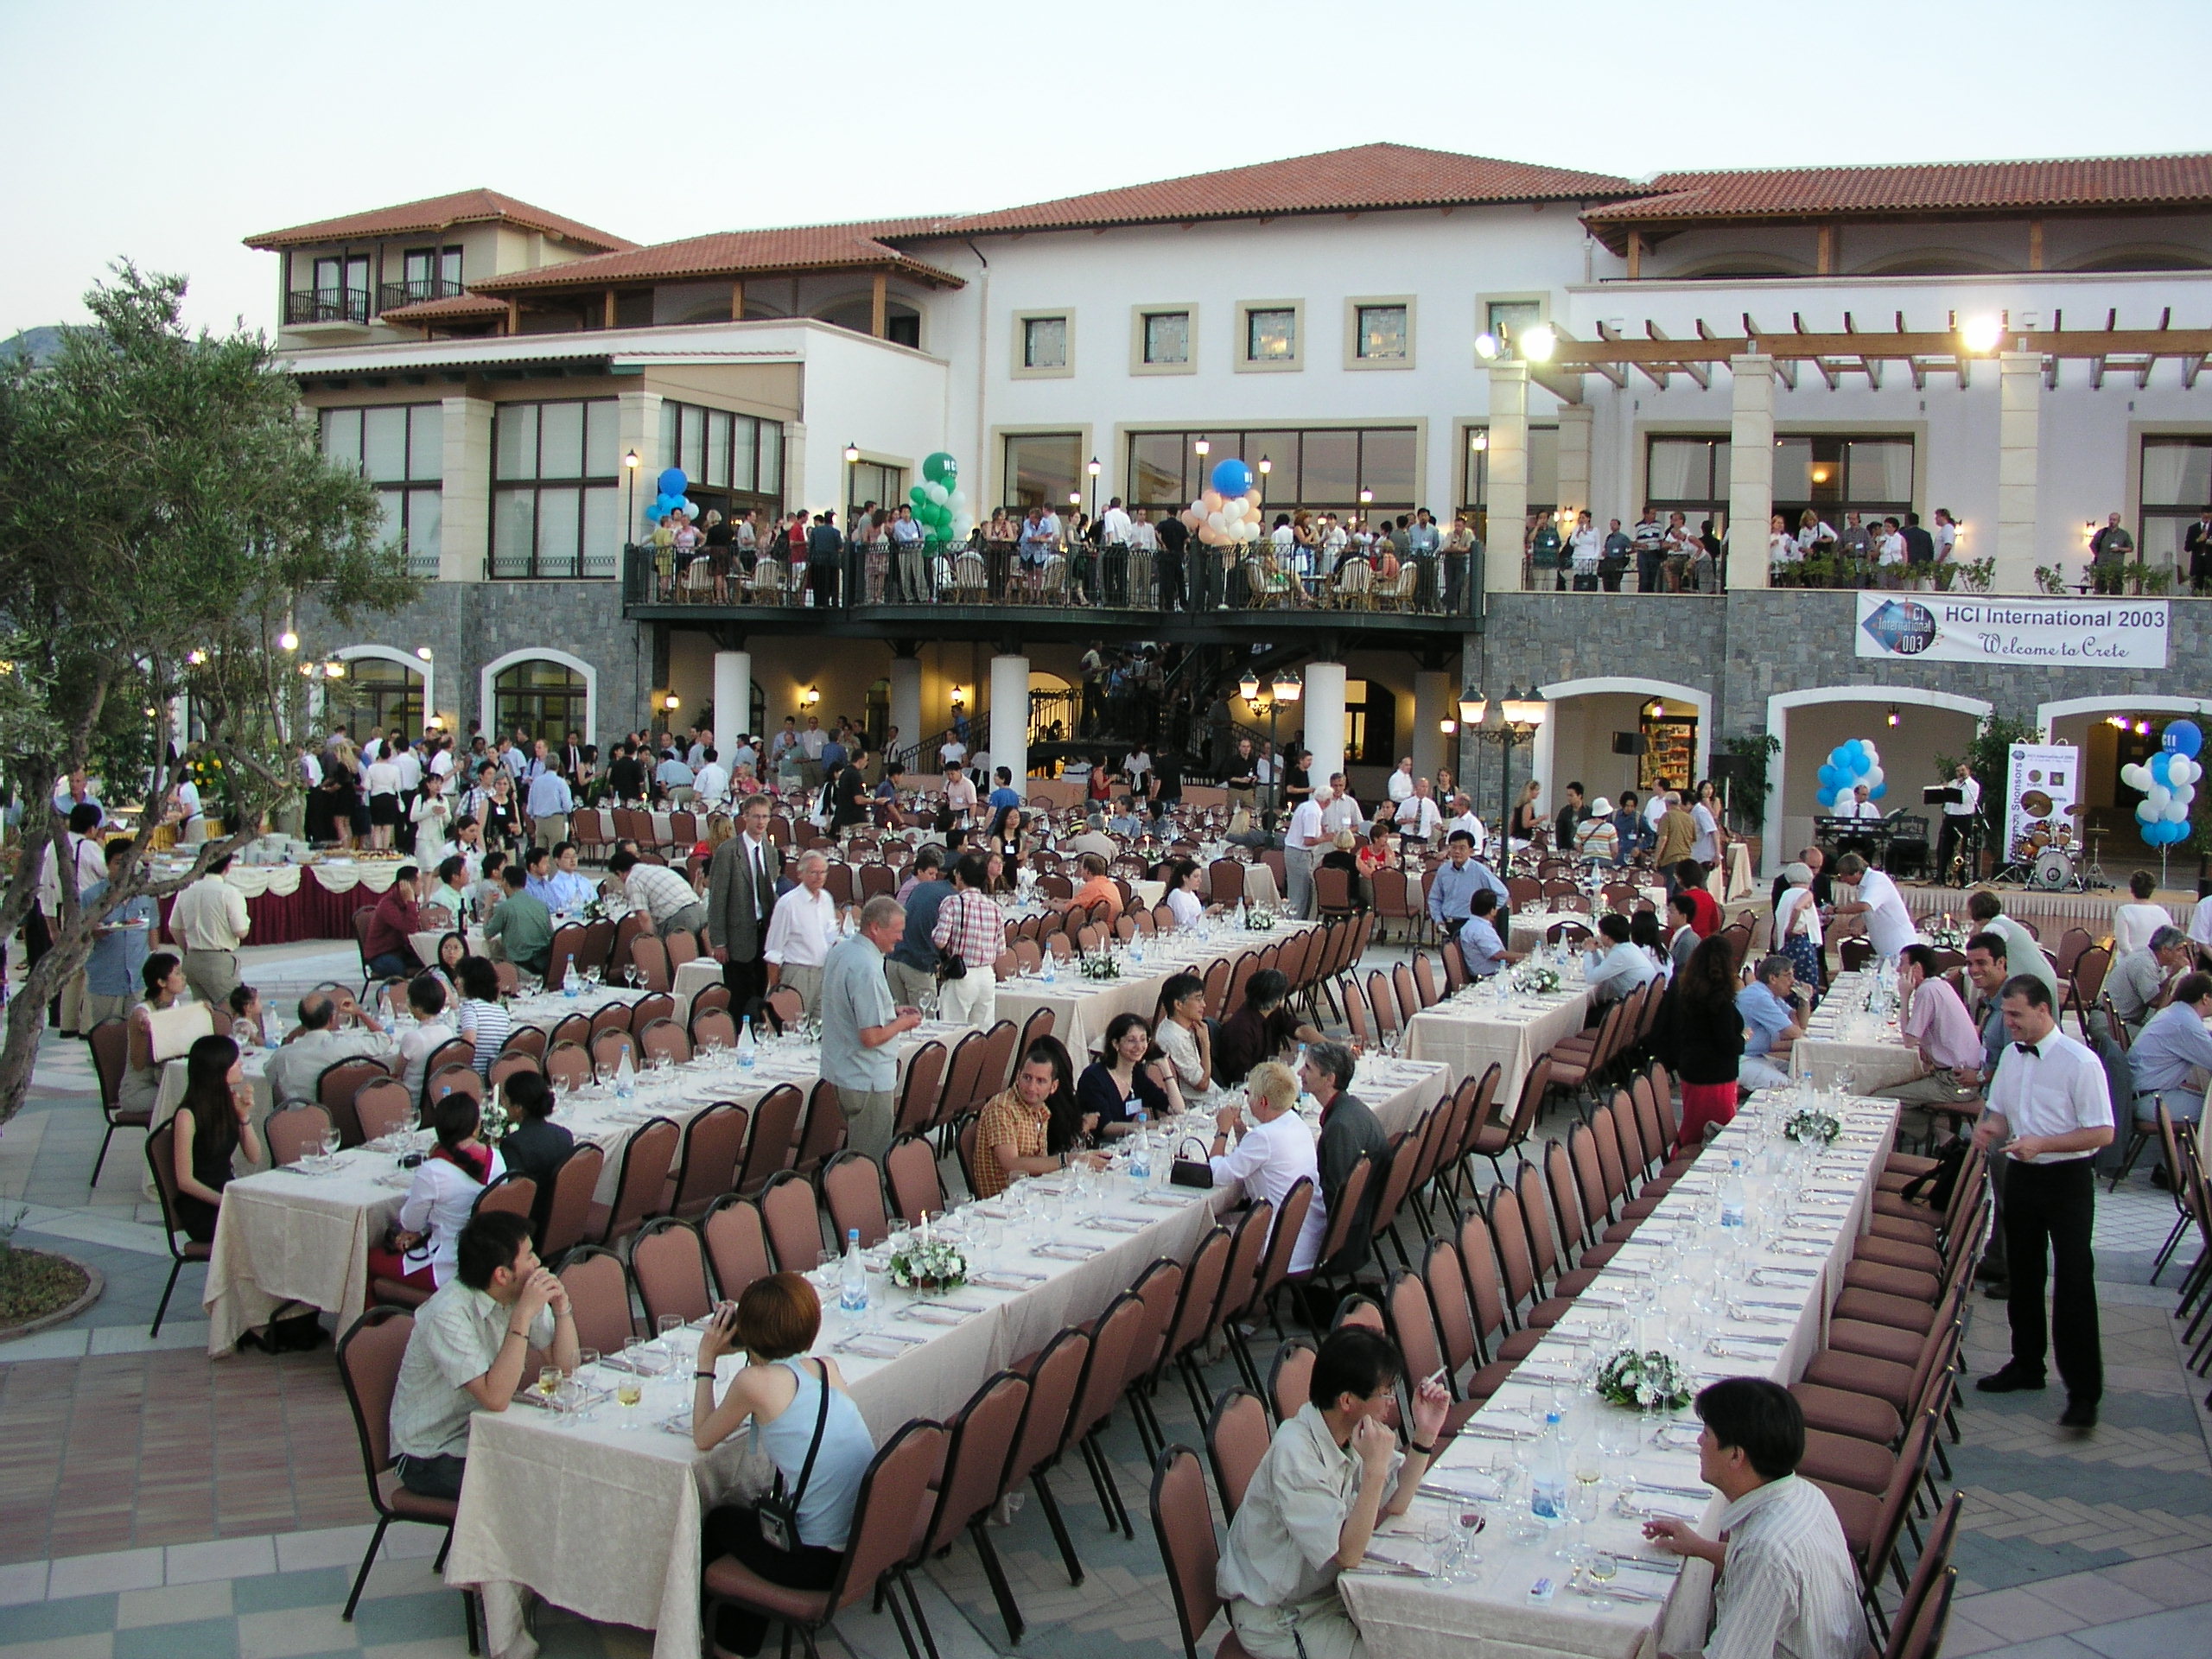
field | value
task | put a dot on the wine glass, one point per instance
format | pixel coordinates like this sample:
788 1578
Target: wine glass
1600 1567
1472 1518
549 1381
669 1325
630 1385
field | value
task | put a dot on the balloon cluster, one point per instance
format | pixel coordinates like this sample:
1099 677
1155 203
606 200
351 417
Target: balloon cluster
1848 766
671 497
2169 785
1228 515
940 506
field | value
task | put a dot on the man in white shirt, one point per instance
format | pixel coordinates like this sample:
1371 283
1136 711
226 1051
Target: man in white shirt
810 744
209 919
1402 780
1861 806
1274 1154
1614 966
1114 545
2200 919
2022 954
1420 818
293 1070
801 931
1343 812
952 752
1889 924
1790 1590
409 762
2049 1114
1463 818
1656 808
710 783
1958 818
1301 844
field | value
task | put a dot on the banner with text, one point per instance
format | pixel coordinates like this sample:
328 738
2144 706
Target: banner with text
2040 785
1976 628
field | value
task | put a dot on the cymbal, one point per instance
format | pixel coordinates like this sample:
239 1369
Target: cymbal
2077 809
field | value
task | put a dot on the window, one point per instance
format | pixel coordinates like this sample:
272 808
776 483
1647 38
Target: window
902 322
734 463
1371 723
376 691
556 508
1507 318
1839 474
1379 334
400 449
1321 467
340 294
868 480
1270 336
1167 337
2177 488
1044 343
426 274
1688 476
541 699
1543 474
1043 469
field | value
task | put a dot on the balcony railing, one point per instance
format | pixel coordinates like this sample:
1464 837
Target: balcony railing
994 577
392 296
326 305
593 565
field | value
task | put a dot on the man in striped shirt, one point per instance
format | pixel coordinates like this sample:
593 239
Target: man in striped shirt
1785 1587
663 893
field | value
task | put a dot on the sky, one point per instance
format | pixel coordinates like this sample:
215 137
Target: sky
167 133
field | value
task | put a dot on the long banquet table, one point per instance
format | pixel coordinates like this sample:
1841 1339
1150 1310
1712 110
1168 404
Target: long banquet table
1775 1323
605 1521
1471 1031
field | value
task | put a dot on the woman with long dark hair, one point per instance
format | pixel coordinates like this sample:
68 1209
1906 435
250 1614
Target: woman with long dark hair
213 1120
1130 1074
1705 1039
425 1241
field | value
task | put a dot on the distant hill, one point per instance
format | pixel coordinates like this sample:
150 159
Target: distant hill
40 344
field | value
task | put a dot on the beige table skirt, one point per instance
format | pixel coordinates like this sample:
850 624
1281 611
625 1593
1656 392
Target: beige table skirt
1469 1042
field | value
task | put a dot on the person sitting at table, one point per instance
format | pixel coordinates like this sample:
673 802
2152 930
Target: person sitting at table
1330 1474
1180 1027
572 890
452 949
482 1018
1480 948
426 1006
1643 932
469 1346
245 1010
214 1121
1348 1129
2171 1059
444 894
488 888
1614 966
1263 1029
1771 1024
162 974
1343 854
1701 1039
389 947
1683 936
522 924
1986 911
1272 1154
1940 1033
1098 888
424 1242
295 1070
1688 879
536 1147
1014 1130
1179 896
1379 851
2138 979
1790 1590
806 1421
1130 1074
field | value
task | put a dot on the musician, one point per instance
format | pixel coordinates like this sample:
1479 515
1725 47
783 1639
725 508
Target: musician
1860 805
1958 820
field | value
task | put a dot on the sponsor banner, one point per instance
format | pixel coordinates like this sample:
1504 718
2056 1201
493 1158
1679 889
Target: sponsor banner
1977 628
2040 783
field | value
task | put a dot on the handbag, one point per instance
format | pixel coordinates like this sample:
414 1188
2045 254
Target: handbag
1189 1172
950 965
779 1513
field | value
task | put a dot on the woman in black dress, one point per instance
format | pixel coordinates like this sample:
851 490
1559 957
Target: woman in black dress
213 1120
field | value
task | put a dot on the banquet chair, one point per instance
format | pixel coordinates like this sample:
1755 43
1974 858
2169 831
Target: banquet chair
910 1168
793 1220
1054 1373
713 1026
652 1006
381 1105
336 1087
560 956
1344 1214
775 1130
638 1186
110 1042
1382 1004
892 1493
825 1133
963 1077
669 1264
1240 1280
664 1037
1289 1376
575 1028
649 955
294 1133
362 918
509 1064
369 1357
1411 1323
1160 1288
608 1050
1104 1371
568 1210
1192 1323
1480 1129
568 1067
1274 1264
1393 902
506 1194
450 1080
852 1192
161 1163
737 1245
1478 1268
973 1480
458 1051
1397 1179
711 1146
1407 991
1184 1525
1237 1439
1462 1324
1873 1526
1425 980
918 1089
785 1007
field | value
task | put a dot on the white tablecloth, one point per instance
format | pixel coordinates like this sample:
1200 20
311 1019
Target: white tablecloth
282 1235
1083 1008
1840 1038
1260 887
1492 1618
1468 1034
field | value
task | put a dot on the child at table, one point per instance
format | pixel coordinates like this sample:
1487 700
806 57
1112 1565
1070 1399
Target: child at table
423 1245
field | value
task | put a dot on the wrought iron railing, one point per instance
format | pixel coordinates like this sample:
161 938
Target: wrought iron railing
326 305
392 296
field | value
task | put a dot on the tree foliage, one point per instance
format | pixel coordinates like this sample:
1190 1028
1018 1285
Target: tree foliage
164 502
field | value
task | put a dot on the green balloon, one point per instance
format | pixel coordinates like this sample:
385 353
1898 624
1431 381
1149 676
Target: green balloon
941 468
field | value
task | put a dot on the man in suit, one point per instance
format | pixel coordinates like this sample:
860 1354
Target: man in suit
2196 543
741 896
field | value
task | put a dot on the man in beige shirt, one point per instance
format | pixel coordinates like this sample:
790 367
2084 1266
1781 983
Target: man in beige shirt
209 920
1677 834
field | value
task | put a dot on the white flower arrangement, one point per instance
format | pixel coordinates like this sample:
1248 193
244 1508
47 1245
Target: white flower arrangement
1260 921
1642 1380
1810 1125
1100 966
491 1123
928 1264
1533 980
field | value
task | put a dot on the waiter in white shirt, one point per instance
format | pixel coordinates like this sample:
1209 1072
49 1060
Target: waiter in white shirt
1957 819
1889 924
1301 849
2049 1113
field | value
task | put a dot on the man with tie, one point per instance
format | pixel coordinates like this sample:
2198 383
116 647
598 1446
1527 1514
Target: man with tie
2049 1113
741 898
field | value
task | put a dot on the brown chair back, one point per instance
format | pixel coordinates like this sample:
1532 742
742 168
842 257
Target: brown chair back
711 1146
652 1006
1478 1260
664 1038
607 1048
1446 1279
737 1245
910 1168
336 1087
381 1105
981 1440
826 1129
1237 1439
649 957
111 1045
568 1211
785 1007
610 1016
669 1266
639 1188
1240 1279
1290 1221
451 1080
712 1028
1343 1211
919 1088
568 1066
511 1195
1184 1525
598 1294
369 1357
1412 1326
1200 1292
852 1191
1053 1382
775 1128
1290 1377
793 1222
294 1133
508 1065
963 1078
1105 1371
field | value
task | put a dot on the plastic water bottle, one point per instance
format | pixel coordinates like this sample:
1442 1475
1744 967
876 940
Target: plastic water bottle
1051 971
1140 1149
1732 1194
1548 1475
852 1280
747 1049
569 981
1240 920
625 1078
272 1031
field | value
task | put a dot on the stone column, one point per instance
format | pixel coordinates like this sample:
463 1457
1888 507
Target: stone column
1435 697
1750 470
465 533
1508 468
1323 705
907 698
2020 421
732 699
1009 721
1574 470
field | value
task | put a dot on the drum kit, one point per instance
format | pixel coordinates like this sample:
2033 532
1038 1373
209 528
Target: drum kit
2050 856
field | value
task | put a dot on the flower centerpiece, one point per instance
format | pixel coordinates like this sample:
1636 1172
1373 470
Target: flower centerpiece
1809 1126
928 1263
594 910
1643 1380
1260 919
1100 965
491 1123
1531 979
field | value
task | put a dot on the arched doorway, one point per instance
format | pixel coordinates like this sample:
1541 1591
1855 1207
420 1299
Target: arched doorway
541 694
383 687
1914 728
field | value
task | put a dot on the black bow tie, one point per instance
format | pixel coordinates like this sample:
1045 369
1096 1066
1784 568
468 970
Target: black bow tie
2029 1048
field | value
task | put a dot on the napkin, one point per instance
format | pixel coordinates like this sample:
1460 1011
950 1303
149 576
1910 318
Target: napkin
1116 1225
1068 1250
936 1314
873 1347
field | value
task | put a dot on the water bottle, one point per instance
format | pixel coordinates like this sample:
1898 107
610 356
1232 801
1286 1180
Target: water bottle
625 1078
1140 1150
747 1049
852 1275
272 1030
1548 1475
1241 921
1052 967
1732 1194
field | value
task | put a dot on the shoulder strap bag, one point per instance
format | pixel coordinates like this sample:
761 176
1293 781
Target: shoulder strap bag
778 1513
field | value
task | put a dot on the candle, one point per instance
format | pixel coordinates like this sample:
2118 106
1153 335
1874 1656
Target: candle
926 1227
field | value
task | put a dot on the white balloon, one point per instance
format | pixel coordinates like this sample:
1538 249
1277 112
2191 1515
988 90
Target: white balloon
958 501
1217 521
2183 770
1247 530
1873 778
2156 796
2176 813
2135 775
1235 509
1873 755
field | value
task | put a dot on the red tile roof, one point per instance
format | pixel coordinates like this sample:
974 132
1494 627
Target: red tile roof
740 253
2096 183
439 213
459 307
1367 178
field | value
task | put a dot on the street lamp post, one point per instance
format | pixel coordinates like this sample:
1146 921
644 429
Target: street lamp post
1518 718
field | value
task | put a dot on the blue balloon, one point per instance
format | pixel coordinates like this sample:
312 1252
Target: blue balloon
2159 763
1825 797
1878 791
1232 477
672 481
2182 737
